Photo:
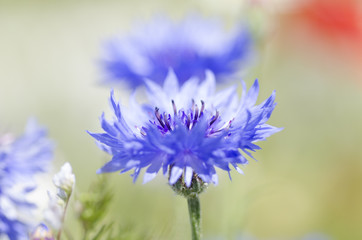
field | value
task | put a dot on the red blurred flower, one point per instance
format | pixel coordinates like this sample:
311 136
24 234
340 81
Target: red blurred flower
332 18
326 32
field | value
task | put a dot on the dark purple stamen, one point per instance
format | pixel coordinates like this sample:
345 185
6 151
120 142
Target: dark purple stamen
202 107
174 107
196 112
166 121
214 118
158 116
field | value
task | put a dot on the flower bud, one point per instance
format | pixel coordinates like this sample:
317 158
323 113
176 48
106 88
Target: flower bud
65 179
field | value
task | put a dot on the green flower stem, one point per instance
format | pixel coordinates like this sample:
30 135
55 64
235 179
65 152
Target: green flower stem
195 217
192 195
63 216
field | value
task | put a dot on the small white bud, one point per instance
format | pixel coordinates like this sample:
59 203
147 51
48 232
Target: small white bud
65 179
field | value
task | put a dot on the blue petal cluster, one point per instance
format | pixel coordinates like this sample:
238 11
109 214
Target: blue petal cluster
189 48
191 139
20 160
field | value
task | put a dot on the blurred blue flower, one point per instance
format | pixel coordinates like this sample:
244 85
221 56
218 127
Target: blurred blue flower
189 48
190 137
20 160
42 232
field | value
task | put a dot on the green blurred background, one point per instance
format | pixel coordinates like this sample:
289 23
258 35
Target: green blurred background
308 177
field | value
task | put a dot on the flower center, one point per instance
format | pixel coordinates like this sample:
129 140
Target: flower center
189 118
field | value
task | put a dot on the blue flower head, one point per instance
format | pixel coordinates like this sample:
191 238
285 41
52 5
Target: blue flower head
189 48
184 135
20 160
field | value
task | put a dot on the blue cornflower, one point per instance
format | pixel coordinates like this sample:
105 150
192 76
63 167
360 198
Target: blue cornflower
190 138
189 47
20 160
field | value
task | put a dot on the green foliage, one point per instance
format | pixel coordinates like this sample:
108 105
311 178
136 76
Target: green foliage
92 209
94 203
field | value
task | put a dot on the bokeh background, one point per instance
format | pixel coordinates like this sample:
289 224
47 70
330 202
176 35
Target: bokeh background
307 183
